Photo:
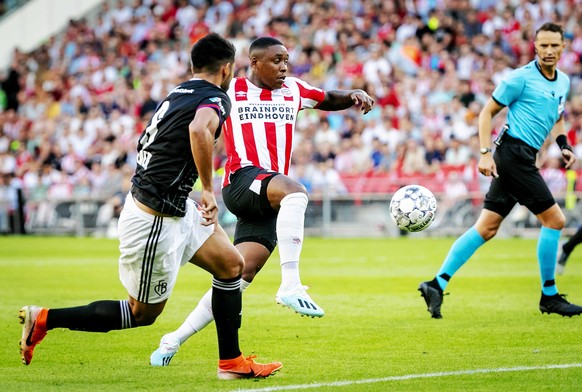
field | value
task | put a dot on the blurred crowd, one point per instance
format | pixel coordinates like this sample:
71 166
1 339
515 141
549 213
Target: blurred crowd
71 111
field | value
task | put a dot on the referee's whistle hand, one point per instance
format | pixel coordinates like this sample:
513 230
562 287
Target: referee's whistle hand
569 158
487 166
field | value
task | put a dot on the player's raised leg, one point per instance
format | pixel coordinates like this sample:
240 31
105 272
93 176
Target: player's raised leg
290 233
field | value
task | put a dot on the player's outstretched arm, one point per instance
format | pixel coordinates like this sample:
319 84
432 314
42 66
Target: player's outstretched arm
344 99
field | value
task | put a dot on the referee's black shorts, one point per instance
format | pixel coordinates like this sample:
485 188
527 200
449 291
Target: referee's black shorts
246 197
519 180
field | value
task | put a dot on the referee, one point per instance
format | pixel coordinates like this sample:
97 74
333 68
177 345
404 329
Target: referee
535 96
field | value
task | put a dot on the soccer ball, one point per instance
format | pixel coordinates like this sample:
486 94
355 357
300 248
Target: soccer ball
413 208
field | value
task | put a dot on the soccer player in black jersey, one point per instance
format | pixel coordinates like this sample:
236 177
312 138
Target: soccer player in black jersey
160 228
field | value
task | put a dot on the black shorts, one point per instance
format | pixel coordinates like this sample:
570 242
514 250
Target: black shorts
246 197
519 180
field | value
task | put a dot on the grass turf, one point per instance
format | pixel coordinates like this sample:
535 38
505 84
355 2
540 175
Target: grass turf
376 335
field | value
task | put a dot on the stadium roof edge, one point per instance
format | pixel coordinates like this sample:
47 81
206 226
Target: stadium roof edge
30 25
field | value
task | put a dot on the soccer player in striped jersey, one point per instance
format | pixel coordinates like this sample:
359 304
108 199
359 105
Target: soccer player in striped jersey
535 96
161 229
269 205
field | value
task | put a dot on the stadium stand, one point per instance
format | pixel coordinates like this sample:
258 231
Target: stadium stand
71 110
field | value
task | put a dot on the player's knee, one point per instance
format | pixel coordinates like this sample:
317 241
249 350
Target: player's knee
255 256
300 189
297 188
489 234
249 273
238 265
296 198
289 185
232 266
553 218
488 231
248 276
281 187
558 222
144 318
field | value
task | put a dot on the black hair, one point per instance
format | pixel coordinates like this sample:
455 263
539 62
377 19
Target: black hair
553 27
211 52
263 43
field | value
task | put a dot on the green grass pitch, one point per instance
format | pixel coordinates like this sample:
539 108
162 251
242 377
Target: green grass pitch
376 334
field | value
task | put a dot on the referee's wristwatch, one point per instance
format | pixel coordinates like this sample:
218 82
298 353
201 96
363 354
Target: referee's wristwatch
484 150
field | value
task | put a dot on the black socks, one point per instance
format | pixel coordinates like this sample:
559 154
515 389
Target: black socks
99 316
227 308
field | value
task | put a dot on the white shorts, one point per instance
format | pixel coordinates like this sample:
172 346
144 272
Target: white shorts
152 249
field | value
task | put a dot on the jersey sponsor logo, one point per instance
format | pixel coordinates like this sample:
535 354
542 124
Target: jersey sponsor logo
180 90
218 101
269 112
286 92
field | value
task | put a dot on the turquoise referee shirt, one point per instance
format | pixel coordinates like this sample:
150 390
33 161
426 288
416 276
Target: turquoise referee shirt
534 102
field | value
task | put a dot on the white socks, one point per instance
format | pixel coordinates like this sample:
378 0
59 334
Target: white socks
200 317
243 285
290 232
290 276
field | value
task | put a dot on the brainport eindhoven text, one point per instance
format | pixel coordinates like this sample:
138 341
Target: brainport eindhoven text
266 113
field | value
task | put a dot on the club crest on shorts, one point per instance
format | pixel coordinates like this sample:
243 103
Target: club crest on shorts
161 287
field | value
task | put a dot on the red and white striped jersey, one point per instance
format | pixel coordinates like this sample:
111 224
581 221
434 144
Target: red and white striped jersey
259 131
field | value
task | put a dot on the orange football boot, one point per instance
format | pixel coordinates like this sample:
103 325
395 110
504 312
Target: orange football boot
33 319
241 367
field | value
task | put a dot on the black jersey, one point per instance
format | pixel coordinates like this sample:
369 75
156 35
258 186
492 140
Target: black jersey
165 170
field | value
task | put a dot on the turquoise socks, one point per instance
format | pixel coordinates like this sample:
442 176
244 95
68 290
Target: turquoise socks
548 242
460 252
468 243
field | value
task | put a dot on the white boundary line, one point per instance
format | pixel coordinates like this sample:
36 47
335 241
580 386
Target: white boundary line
411 377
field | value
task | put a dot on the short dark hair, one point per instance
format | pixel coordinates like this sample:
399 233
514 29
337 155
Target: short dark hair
210 52
553 27
263 43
